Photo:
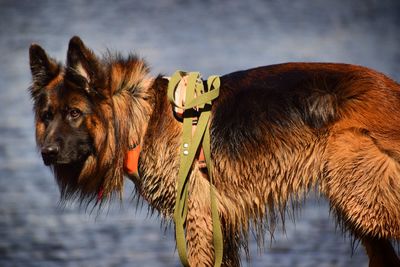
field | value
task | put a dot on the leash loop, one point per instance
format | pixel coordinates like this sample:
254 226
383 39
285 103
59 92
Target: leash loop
199 99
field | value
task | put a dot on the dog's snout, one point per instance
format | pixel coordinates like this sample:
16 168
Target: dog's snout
49 153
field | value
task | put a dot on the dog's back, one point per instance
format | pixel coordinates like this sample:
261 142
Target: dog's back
292 126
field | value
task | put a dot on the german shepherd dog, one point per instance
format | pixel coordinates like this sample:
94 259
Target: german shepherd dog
277 132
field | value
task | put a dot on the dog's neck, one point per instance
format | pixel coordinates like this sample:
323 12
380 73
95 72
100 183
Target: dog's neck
159 157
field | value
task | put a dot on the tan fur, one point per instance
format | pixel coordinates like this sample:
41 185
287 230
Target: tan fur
199 223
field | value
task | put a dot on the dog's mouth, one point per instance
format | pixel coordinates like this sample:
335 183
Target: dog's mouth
48 162
56 160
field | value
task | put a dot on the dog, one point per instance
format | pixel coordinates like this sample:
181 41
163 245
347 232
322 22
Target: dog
277 132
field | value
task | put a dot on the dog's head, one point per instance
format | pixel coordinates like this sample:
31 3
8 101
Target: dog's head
61 119
85 116
60 114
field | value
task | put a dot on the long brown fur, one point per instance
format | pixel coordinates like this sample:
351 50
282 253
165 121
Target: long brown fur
277 132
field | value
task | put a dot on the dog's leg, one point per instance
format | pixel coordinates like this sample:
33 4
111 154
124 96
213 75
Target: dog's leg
380 253
199 224
362 184
231 250
199 233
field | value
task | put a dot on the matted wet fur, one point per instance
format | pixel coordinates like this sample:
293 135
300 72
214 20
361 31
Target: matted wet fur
277 132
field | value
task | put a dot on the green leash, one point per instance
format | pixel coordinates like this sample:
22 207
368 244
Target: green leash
196 97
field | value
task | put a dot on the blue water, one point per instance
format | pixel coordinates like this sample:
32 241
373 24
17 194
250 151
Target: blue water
214 37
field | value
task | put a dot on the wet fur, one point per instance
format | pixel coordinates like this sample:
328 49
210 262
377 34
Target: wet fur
277 132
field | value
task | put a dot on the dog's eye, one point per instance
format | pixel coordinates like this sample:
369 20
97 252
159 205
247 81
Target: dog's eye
74 113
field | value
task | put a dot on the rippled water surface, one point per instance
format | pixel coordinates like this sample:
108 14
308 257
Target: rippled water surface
213 37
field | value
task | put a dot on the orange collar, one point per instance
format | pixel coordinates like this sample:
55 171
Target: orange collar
131 161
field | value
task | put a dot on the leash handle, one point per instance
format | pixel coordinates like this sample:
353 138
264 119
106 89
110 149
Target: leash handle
213 84
196 97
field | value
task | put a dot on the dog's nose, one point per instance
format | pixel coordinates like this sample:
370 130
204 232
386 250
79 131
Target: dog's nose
50 150
49 153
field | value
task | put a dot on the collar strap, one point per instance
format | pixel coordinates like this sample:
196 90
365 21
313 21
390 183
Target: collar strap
131 161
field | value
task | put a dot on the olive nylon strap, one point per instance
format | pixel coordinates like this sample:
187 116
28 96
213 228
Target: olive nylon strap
196 97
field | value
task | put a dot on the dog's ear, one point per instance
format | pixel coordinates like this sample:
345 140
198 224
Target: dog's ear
84 69
43 68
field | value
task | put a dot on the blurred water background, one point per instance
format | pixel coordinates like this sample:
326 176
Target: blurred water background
214 37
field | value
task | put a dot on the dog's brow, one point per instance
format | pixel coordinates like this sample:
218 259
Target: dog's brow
55 82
